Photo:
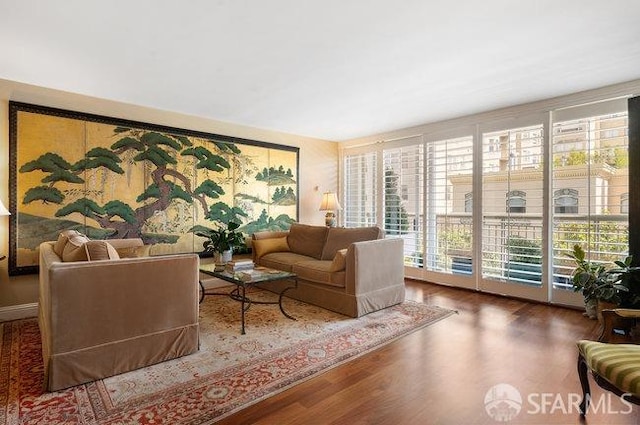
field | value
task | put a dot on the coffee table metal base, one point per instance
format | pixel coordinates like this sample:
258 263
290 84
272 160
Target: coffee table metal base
239 293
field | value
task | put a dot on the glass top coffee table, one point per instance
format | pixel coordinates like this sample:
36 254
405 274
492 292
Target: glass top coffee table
247 279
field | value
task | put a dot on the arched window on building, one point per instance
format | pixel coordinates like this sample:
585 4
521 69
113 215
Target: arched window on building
624 203
565 201
516 201
468 202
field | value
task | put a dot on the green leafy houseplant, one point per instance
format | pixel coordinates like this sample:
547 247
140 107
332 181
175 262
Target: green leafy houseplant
221 239
618 285
625 275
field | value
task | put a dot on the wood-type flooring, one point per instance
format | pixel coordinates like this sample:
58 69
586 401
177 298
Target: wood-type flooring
441 374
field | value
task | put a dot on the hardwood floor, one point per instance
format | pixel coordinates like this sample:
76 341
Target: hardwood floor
441 374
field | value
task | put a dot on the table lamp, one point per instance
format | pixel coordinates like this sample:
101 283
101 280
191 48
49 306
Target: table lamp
330 204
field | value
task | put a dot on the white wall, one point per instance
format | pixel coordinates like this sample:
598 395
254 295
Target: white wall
318 160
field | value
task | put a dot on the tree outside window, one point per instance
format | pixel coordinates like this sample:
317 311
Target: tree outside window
396 219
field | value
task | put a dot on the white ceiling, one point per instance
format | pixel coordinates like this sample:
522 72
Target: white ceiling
331 69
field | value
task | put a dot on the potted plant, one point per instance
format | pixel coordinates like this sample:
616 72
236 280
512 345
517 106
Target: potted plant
585 279
604 287
221 241
625 275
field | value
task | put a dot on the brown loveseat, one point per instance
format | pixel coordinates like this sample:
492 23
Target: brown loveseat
102 318
353 271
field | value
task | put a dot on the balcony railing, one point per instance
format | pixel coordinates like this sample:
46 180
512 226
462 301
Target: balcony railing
512 244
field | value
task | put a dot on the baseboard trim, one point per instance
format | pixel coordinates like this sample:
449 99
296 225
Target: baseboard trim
15 312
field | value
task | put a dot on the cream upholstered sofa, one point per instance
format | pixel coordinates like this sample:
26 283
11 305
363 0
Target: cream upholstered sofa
353 271
102 318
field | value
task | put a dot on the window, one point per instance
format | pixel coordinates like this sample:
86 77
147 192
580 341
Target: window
565 201
516 201
360 190
468 202
403 196
571 179
591 157
511 241
449 178
624 203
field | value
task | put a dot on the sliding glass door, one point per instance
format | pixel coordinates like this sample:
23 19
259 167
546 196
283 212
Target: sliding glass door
590 189
449 236
403 198
513 211
498 206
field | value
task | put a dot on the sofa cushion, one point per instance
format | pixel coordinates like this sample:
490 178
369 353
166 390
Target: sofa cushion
307 240
269 234
319 271
74 249
265 246
100 250
63 238
339 261
134 251
282 260
340 238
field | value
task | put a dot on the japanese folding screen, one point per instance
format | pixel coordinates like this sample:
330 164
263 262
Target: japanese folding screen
112 178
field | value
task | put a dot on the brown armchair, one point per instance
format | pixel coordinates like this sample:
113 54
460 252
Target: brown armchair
102 318
614 360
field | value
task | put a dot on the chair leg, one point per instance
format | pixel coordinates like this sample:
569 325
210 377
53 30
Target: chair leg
583 374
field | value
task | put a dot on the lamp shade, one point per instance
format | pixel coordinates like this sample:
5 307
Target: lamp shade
330 202
3 210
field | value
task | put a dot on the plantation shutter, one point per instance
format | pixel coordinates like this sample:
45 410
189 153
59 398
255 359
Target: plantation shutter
360 190
512 208
403 198
591 176
449 205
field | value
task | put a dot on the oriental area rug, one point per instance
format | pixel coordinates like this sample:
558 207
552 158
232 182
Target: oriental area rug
230 372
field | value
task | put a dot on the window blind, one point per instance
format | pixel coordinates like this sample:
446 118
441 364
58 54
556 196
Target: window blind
449 205
360 190
590 164
403 199
512 199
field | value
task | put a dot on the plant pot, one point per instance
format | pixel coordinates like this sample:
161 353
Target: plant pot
223 257
604 305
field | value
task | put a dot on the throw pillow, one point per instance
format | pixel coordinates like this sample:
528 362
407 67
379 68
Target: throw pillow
265 246
74 249
339 262
340 238
134 251
63 238
307 240
100 250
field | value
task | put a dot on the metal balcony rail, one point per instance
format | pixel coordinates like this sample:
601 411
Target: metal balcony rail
512 243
